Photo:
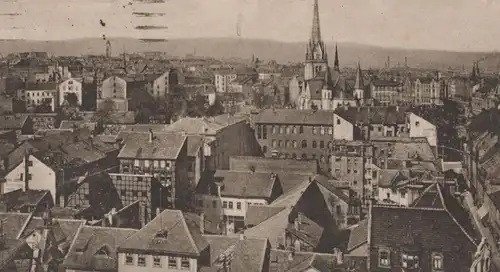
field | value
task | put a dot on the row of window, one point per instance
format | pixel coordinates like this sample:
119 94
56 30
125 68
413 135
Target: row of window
410 261
38 94
148 163
303 144
226 204
158 261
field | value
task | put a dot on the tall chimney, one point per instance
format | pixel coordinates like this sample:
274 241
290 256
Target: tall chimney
26 169
202 223
150 136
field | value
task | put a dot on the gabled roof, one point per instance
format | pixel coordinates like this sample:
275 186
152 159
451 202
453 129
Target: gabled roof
260 164
196 126
246 184
257 214
169 232
163 146
95 248
286 261
12 121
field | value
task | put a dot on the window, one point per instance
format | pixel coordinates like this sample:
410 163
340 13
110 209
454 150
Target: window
383 258
295 130
172 262
437 261
224 204
274 130
288 130
238 205
264 149
264 132
301 129
417 123
339 209
287 143
21 177
156 261
338 121
259 132
214 204
410 261
129 259
314 145
330 130
280 143
230 204
185 263
141 260
314 130
304 144
30 163
282 129
322 144
200 202
273 143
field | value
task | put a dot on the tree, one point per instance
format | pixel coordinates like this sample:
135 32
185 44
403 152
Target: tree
45 106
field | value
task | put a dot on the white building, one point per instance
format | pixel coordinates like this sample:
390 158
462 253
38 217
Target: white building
68 86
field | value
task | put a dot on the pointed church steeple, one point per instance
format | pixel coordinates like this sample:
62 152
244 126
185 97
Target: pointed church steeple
359 84
336 65
474 76
316 32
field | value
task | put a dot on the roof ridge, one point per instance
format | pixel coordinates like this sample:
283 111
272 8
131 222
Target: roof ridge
191 239
408 208
110 228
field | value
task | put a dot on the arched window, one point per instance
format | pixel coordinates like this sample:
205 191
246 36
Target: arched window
294 144
295 130
288 129
304 144
437 261
314 144
287 143
274 130
322 144
273 143
301 129
280 143
282 129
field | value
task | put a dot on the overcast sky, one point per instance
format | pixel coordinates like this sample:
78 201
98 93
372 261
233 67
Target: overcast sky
465 25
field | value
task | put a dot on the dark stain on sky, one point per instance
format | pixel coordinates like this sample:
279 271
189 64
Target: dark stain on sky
150 1
150 27
148 14
10 14
102 23
152 40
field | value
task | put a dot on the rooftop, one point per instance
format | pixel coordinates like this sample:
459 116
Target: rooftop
162 146
294 117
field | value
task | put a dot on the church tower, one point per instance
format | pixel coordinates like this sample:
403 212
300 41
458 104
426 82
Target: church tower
316 57
359 85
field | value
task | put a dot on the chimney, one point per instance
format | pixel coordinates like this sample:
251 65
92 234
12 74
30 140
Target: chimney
290 255
150 136
202 223
26 169
242 236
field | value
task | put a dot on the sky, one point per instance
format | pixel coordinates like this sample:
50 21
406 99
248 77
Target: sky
457 25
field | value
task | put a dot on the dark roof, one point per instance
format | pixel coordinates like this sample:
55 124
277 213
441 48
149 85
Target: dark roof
257 214
387 83
163 146
95 248
495 198
246 184
194 144
52 86
16 199
169 232
308 231
373 115
292 116
248 254
358 235
428 228
12 121
430 198
286 261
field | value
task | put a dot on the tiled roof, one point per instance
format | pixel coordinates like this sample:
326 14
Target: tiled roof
358 235
315 87
195 126
64 230
209 226
430 198
432 228
308 231
12 121
373 115
78 124
286 261
95 248
248 254
194 144
292 116
389 178
246 184
273 228
17 199
84 151
169 232
256 214
163 146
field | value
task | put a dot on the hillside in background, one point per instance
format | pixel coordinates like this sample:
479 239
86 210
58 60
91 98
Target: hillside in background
282 52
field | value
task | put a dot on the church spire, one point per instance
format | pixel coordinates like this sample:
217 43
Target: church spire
358 85
336 66
316 33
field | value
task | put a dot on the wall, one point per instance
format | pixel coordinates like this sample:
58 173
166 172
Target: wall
42 177
70 86
419 127
234 140
396 196
122 267
342 129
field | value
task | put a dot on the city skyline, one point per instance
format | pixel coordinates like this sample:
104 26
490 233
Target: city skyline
386 23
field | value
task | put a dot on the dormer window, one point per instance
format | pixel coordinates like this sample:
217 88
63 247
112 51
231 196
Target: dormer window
409 261
384 259
437 261
104 252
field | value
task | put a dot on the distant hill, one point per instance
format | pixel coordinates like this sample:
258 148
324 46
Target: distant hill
282 52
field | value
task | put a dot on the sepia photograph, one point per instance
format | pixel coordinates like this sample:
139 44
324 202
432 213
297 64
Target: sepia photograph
249 135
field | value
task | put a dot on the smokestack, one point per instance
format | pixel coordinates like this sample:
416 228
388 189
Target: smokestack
150 136
27 169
